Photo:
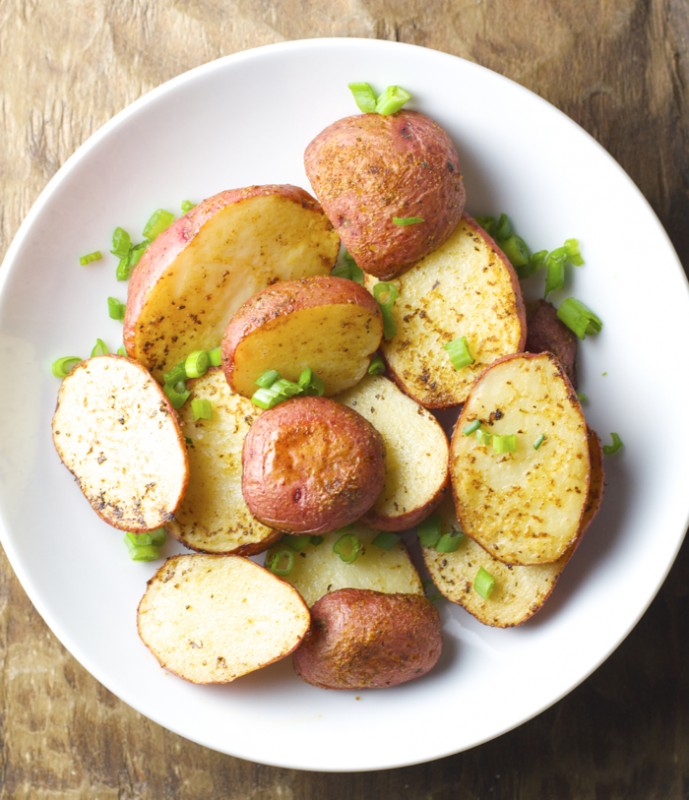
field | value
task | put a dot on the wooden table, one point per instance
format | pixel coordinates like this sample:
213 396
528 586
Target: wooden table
621 69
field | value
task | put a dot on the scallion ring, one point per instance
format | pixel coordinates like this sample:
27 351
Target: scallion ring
484 583
61 367
348 547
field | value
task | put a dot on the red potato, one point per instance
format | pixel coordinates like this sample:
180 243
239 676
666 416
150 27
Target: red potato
329 324
311 465
368 169
547 333
198 272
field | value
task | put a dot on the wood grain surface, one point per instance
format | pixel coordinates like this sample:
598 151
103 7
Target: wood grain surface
618 67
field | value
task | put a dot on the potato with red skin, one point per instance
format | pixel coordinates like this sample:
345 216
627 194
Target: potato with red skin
328 324
362 639
547 333
311 465
368 169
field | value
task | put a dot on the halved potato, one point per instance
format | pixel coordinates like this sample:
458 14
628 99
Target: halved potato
116 432
311 465
526 506
212 618
198 272
329 324
416 453
520 591
318 569
214 517
361 639
466 287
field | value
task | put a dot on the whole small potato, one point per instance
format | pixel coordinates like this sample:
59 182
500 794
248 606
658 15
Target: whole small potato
369 171
311 465
361 639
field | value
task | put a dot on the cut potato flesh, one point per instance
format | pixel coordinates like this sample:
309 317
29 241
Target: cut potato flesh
115 430
213 517
318 569
212 619
526 506
199 271
416 453
464 288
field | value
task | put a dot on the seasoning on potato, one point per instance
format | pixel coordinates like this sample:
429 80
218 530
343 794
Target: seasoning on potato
311 465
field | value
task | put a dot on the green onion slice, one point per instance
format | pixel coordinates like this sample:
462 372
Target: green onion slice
176 374
61 367
99 348
385 295
177 393
483 437
407 220
187 205
616 445
157 223
377 365
539 441
215 356
268 378
348 547
458 350
429 532
145 546
516 250
555 270
573 252
449 542
364 97
201 408
265 398
474 425
386 540
503 228
121 243
484 583
578 317
196 364
504 442
88 258
116 308
346 267
391 100
281 562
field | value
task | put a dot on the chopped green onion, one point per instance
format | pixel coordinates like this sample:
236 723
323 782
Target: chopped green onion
121 243
281 562
385 295
377 365
579 317
458 350
429 532
145 546
176 374
449 542
474 425
265 398
99 348
616 445
483 437
201 408
196 364
347 267
268 378
504 442
187 205
61 367
539 441
298 543
285 389
555 270
116 308
157 223
215 356
484 583
136 252
573 252
176 393
487 223
583 397
407 220
364 97
503 228
391 100
514 247
348 547
310 383
386 540
96 255
121 350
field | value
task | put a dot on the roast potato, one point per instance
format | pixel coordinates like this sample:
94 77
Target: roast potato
197 273
317 569
311 465
368 170
116 432
360 639
466 287
547 332
329 324
212 618
213 517
525 506
416 453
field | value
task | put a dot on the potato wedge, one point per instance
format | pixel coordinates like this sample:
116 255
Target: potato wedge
416 453
116 432
526 506
214 517
369 170
329 324
361 639
466 287
520 591
317 569
311 465
212 618
198 272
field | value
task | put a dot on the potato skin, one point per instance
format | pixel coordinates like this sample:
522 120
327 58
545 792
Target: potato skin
311 465
367 169
362 639
546 332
